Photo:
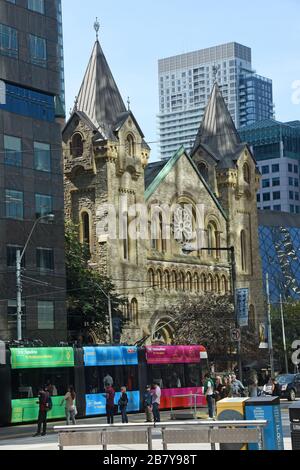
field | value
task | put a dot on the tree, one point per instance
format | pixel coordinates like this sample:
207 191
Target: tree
292 330
87 305
208 320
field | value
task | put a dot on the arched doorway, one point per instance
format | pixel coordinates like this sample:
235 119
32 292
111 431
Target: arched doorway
163 332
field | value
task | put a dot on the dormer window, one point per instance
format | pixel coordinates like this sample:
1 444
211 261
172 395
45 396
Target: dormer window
76 146
130 145
203 170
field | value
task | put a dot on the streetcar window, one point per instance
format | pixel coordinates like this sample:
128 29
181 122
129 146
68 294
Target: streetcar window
26 383
118 376
193 375
168 375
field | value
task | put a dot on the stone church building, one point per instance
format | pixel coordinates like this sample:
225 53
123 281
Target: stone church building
213 190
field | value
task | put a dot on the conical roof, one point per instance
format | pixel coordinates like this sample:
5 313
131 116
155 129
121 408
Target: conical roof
217 132
99 97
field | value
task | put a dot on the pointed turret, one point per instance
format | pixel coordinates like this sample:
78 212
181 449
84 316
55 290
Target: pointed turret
99 97
217 133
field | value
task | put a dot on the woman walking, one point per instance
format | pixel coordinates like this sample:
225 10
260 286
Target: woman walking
123 402
69 400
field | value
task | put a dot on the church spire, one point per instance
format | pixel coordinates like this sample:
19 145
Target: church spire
99 97
217 132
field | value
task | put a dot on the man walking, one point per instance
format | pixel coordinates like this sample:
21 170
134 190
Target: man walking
44 407
238 389
156 396
147 401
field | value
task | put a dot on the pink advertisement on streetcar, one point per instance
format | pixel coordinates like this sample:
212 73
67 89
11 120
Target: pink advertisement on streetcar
174 354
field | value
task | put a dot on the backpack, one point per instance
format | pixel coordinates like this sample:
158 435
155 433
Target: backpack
49 403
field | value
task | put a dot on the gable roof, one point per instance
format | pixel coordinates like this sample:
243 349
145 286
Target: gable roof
158 171
217 132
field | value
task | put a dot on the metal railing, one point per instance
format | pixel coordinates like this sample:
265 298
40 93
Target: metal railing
188 432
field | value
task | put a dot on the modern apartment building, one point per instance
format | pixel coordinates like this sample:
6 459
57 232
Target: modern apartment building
185 84
276 147
31 181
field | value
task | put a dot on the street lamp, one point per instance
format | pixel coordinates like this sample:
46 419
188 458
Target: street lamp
19 258
187 249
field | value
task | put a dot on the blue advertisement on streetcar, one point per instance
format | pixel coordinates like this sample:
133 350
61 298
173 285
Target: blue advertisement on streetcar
110 356
96 404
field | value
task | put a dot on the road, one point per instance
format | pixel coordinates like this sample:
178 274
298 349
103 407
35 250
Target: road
15 437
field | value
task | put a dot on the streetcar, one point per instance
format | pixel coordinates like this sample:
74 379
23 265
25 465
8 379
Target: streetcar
179 371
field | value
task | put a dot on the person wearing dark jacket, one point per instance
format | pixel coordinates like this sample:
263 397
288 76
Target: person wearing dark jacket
110 404
123 402
147 402
43 410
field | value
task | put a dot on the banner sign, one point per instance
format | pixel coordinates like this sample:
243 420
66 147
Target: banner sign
263 336
174 354
111 356
96 404
242 306
41 358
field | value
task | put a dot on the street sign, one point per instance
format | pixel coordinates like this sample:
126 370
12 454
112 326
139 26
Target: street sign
235 335
242 306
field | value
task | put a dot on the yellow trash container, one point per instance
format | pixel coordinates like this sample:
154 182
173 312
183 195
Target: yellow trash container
232 409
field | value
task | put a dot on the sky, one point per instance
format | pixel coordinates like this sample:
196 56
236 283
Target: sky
136 33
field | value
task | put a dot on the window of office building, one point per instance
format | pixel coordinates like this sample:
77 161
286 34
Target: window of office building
38 50
290 168
43 205
36 5
292 208
297 196
8 41
265 169
296 183
266 197
276 181
12 151
266 183
45 315
11 256
45 259
42 156
14 204
275 168
277 208
12 313
276 195
296 169
258 197
291 195
291 181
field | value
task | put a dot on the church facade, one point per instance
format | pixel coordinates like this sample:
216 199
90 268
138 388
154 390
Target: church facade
161 231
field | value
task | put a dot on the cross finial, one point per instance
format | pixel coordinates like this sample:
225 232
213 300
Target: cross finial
128 103
215 72
96 28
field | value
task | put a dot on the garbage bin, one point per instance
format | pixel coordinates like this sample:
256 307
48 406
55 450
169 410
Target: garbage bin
267 408
294 411
232 409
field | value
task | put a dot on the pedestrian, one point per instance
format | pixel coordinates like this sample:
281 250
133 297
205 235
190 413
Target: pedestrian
110 404
219 389
156 396
209 393
70 407
253 386
123 402
45 405
228 388
269 387
147 402
238 389
108 381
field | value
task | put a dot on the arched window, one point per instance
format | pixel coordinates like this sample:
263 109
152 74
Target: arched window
243 251
196 283
203 283
130 145
159 279
210 283
213 240
217 285
151 278
224 285
174 281
85 230
181 281
134 312
246 173
203 170
76 146
189 283
125 235
167 280
162 233
126 311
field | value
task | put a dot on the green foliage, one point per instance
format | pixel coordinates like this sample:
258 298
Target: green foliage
86 302
292 330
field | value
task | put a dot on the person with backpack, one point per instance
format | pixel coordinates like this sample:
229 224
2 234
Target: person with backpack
238 389
209 393
69 400
147 402
123 402
110 404
45 405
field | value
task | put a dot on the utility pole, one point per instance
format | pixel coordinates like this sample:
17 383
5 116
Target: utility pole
19 294
111 328
237 324
270 338
283 336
